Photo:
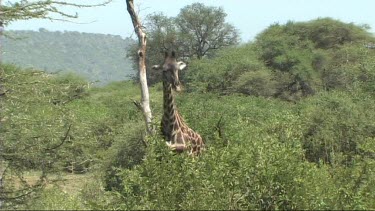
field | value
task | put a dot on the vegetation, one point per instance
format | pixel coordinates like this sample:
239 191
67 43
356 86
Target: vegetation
288 122
97 57
291 61
51 125
203 29
42 9
198 31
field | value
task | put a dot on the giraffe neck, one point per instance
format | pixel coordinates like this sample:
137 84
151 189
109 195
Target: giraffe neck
171 122
174 129
169 105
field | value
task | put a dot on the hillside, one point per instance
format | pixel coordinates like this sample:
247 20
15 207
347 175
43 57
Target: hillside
97 57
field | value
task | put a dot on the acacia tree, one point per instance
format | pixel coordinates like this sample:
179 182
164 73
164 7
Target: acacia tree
203 29
196 32
162 35
42 9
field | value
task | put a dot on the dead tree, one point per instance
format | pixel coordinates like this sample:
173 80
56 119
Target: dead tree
1 160
1 30
144 105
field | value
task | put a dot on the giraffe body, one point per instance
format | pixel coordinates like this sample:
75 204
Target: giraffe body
177 134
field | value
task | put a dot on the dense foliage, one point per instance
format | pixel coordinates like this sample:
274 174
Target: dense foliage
49 125
97 57
291 61
262 160
263 152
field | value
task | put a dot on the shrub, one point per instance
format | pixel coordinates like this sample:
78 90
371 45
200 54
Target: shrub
335 124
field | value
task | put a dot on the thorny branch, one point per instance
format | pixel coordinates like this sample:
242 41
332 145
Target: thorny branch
25 10
62 140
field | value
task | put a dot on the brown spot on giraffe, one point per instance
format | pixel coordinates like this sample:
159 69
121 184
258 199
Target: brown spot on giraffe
175 131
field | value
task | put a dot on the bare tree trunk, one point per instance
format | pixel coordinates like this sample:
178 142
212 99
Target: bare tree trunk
2 172
1 32
145 101
2 168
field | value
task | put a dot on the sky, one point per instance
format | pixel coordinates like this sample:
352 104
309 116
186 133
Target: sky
250 17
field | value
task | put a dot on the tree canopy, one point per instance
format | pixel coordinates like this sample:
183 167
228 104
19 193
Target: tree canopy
291 61
196 32
203 29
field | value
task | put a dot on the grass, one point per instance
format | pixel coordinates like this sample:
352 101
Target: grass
62 191
67 182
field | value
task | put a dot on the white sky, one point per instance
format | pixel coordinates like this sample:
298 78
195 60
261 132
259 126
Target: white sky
249 16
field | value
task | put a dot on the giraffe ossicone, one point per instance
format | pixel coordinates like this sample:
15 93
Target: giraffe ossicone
179 137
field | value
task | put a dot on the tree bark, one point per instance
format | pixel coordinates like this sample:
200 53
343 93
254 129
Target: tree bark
142 41
1 55
1 32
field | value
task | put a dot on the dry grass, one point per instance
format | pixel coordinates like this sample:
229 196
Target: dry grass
67 182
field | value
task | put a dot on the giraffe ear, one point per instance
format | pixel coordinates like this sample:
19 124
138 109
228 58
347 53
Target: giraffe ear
181 65
156 67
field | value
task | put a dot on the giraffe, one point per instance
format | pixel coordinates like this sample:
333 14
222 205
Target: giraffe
178 135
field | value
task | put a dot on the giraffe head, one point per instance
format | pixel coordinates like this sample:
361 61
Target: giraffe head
170 69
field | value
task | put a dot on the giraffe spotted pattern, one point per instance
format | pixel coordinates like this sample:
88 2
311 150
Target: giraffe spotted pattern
177 134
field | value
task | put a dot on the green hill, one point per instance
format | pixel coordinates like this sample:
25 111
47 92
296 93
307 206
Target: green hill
97 57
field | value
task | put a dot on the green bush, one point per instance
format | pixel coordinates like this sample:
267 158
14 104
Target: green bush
290 62
127 152
56 199
254 174
51 123
336 124
257 83
261 160
220 73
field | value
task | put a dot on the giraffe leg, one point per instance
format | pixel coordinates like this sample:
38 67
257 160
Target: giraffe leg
176 147
169 144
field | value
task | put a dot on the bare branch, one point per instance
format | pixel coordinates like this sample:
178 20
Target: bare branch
62 140
25 10
137 104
